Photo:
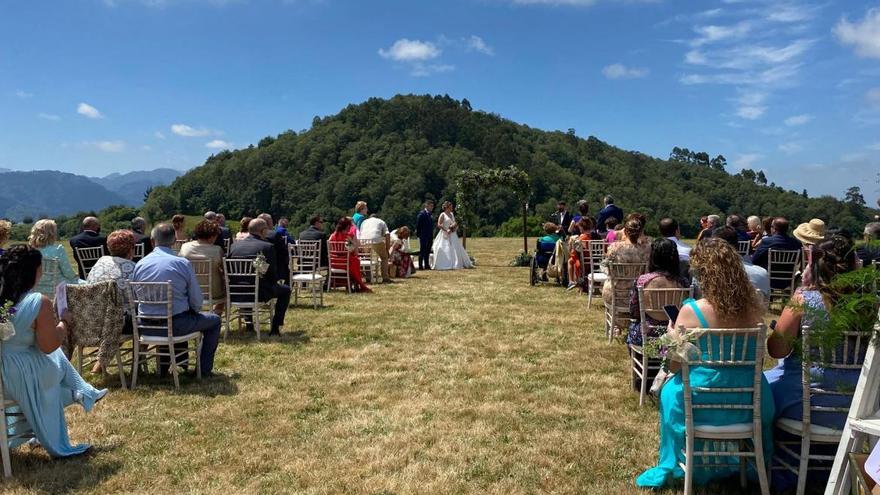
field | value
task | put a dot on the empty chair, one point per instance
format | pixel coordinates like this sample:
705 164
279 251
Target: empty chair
369 261
596 277
305 261
242 296
782 267
87 257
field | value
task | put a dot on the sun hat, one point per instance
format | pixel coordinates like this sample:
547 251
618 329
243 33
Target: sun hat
812 232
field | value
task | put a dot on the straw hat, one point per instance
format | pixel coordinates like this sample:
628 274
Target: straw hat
812 232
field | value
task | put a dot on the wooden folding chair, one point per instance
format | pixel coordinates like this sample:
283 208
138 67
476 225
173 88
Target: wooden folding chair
305 261
622 277
242 296
596 278
782 267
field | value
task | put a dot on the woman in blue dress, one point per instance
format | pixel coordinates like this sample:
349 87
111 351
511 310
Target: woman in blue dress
36 374
729 301
809 303
44 237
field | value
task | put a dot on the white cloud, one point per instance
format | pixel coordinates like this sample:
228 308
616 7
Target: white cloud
791 147
187 131
791 13
796 120
49 116
873 96
147 147
405 50
89 111
751 112
422 70
22 94
874 146
714 33
218 144
746 160
108 146
159 135
476 44
620 71
750 104
864 35
853 157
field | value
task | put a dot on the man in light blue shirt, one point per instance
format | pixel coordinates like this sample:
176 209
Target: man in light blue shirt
162 265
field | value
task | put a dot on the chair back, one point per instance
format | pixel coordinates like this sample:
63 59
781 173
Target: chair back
652 302
226 243
743 247
597 250
783 265
138 253
726 348
51 277
848 355
623 276
305 257
88 256
150 306
365 250
242 282
178 244
204 270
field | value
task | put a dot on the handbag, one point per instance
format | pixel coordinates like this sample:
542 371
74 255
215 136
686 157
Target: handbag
660 379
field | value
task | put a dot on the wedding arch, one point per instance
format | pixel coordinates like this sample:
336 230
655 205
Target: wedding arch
470 182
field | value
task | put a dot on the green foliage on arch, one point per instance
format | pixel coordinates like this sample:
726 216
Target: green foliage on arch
470 182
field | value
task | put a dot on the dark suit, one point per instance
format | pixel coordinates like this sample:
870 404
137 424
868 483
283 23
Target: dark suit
605 213
563 220
86 239
282 255
144 240
775 242
315 234
269 288
425 233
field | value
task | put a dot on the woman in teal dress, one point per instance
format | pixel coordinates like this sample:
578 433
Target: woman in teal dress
36 374
729 301
44 237
360 214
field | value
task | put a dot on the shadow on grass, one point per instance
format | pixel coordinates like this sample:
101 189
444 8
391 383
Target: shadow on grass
293 338
34 469
220 384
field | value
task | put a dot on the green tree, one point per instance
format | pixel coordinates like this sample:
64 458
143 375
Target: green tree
854 196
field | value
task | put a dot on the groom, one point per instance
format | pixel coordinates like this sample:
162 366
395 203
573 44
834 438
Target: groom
425 233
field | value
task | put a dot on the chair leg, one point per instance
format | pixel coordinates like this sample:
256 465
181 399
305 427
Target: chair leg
198 357
802 468
256 317
79 358
173 365
689 466
228 311
760 465
119 367
644 385
743 466
136 354
4 444
295 294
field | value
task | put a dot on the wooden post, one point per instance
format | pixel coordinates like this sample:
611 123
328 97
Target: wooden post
525 228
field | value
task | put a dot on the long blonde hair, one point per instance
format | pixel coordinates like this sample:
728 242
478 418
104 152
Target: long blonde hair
723 280
43 233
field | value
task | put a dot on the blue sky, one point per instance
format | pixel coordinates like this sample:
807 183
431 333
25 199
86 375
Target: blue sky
788 86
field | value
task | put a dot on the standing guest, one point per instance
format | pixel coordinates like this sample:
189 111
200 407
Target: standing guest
205 248
179 234
36 373
315 232
224 230
630 249
282 252
89 237
360 214
562 218
755 230
779 239
400 258
583 210
712 223
610 210
737 223
869 252
44 237
664 272
670 230
255 244
375 230
758 276
425 233
586 233
5 229
163 265
729 301
138 228
243 229
281 230
339 261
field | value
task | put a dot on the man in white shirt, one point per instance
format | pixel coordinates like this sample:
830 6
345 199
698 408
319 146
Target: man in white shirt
375 231
669 230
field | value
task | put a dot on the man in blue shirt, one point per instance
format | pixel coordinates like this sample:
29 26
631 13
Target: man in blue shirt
162 265
778 240
610 210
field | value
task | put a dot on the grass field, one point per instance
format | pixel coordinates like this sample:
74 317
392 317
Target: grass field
450 382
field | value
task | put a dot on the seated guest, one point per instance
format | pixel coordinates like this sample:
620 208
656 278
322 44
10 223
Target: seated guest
139 228
315 232
712 223
737 223
810 233
728 302
339 261
610 210
612 228
583 210
375 231
779 239
44 237
704 223
809 304
205 248
5 229
243 229
36 373
219 241
360 214
766 231
758 276
89 237
117 267
663 273
177 221
586 233
630 249
669 229
162 265
869 252
755 230
400 258
269 288
281 229
282 251
551 233
224 230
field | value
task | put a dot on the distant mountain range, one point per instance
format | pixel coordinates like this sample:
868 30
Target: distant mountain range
50 193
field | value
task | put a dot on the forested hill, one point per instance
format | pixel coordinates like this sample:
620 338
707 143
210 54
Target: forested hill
394 153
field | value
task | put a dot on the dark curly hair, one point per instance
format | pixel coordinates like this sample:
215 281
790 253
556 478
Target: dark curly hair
829 259
207 229
18 272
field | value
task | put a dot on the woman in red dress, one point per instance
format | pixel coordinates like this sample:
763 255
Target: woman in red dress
339 259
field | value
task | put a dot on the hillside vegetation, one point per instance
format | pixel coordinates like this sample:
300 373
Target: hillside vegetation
394 153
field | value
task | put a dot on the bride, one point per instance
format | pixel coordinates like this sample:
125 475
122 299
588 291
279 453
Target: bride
449 254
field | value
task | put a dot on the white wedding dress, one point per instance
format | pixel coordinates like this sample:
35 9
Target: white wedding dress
449 254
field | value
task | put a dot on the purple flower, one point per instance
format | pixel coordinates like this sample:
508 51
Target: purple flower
11 311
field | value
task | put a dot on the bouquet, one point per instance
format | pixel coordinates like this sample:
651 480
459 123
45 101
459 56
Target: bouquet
349 245
7 311
261 266
675 346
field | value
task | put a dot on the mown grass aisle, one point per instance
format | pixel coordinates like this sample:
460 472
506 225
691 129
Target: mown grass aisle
455 382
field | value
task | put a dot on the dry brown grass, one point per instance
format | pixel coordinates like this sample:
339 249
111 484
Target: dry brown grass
451 382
